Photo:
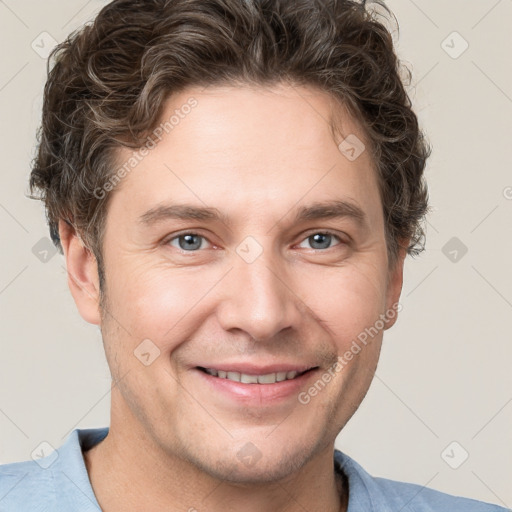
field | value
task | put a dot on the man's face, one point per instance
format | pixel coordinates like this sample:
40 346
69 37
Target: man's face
256 291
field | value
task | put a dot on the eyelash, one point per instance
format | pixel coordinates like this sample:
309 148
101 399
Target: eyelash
323 232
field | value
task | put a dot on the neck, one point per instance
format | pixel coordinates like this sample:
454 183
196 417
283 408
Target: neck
128 472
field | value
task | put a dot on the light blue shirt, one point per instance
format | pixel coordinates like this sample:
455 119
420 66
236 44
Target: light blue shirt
59 482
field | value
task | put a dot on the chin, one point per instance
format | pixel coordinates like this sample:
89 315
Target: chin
249 465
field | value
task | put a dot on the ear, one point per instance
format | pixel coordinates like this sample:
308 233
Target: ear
82 269
395 282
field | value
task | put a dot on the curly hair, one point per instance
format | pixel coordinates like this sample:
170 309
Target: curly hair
110 79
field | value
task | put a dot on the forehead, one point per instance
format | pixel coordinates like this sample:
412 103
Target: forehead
255 147
283 119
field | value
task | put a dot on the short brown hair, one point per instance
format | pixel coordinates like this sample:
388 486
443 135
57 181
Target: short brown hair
110 79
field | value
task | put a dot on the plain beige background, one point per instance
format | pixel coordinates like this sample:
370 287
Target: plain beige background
443 388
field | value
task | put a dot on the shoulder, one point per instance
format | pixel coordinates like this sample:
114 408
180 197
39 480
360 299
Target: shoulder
417 498
25 486
55 482
384 495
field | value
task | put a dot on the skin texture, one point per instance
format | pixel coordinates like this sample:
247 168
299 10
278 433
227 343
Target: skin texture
257 155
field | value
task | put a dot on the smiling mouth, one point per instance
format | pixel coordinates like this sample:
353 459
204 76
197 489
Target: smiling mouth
245 378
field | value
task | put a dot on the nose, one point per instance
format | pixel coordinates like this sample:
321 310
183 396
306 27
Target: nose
259 299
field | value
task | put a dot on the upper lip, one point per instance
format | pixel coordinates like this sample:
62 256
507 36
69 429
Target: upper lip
255 369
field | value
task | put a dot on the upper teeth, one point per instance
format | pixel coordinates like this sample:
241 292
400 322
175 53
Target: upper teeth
269 378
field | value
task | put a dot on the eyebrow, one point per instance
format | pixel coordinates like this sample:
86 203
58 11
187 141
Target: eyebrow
182 212
336 209
331 210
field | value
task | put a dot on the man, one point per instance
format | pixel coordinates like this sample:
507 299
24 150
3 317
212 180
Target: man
234 186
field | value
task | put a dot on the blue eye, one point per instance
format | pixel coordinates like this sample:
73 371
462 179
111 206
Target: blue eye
322 240
192 242
188 241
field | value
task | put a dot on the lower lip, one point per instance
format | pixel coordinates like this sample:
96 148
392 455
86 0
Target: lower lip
257 393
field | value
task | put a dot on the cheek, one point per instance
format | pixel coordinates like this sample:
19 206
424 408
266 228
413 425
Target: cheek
350 303
151 311
159 303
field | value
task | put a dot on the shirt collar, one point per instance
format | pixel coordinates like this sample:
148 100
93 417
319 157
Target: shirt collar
71 479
